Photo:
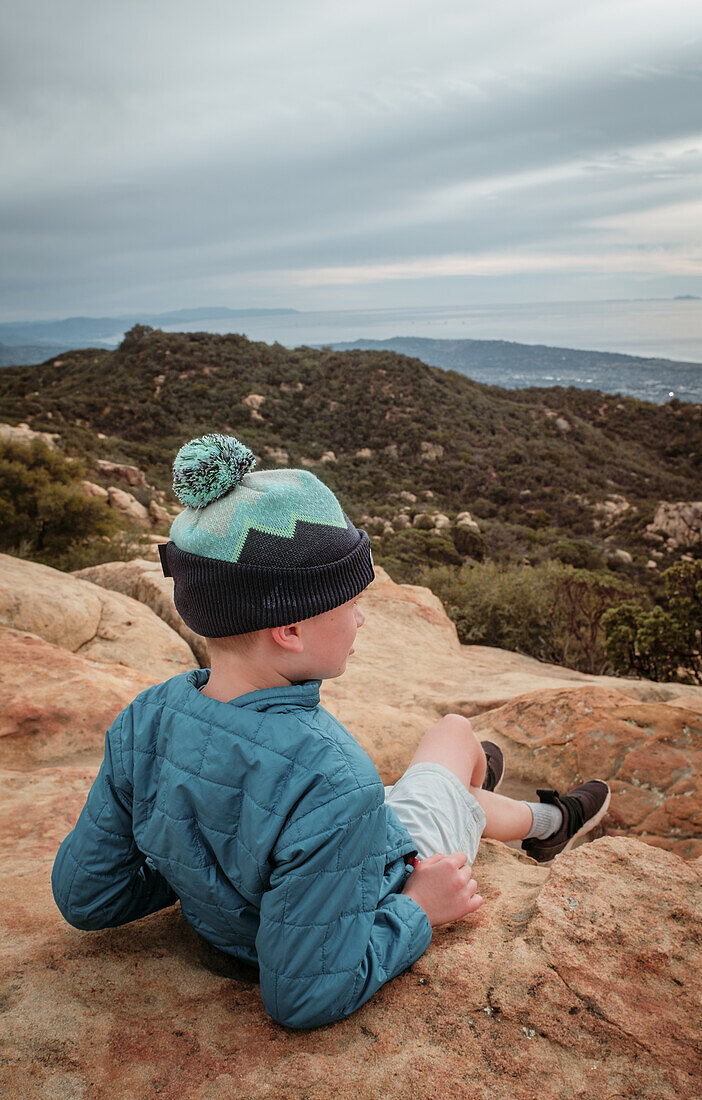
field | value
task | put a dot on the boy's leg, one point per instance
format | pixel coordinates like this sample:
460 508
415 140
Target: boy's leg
548 827
452 743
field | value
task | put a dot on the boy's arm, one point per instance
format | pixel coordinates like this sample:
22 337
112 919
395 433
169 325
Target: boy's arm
100 878
326 942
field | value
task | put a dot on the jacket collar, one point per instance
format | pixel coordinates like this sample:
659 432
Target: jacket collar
303 694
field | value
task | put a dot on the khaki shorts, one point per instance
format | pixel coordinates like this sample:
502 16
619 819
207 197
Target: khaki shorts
439 813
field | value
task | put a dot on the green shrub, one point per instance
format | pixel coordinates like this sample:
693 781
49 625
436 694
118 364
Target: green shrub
551 611
44 512
660 643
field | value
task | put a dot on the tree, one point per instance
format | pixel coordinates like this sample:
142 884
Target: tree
661 643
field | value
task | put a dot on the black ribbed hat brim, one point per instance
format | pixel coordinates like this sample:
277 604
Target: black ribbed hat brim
218 599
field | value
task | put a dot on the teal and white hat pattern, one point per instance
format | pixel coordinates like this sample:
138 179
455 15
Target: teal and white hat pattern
257 549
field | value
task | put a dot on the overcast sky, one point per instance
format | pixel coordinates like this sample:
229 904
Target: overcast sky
323 155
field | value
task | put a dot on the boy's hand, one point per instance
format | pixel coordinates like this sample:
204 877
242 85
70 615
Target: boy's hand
444 888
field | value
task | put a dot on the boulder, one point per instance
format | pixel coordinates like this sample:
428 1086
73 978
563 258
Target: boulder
649 753
144 581
254 400
86 619
159 514
679 523
429 452
131 474
22 433
97 492
278 454
56 705
128 506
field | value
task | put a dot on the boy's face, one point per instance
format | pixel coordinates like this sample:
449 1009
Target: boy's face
329 640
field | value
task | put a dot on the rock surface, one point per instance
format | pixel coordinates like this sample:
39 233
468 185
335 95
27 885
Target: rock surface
649 753
128 506
144 581
680 523
409 669
580 981
86 619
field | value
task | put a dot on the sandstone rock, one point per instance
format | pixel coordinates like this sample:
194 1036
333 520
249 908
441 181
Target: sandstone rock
131 474
159 514
254 400
86 619
22 433
95 491
144 581
328 456
391 450
401 522
680 523
56 705
291 387
409 669
621 555
388 529
430 451
278 454
609 511
465 519
649 753
128 506
409 497
576 984
365 452
562 424
441 521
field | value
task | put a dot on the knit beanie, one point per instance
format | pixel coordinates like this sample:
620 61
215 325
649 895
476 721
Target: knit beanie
257 549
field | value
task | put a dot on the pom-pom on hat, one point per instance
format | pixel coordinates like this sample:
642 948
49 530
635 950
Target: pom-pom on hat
257 549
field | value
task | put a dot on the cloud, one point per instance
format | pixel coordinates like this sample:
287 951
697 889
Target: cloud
160 149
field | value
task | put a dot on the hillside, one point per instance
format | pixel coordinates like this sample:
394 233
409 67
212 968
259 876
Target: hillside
553 475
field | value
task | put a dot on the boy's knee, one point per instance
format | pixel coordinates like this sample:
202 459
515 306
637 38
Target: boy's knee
454 729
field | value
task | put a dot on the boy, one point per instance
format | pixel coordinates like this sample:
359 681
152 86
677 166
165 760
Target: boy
234 792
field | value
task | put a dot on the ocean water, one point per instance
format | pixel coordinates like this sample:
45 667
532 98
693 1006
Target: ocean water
661 329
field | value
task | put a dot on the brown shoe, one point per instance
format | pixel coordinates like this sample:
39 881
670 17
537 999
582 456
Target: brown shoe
583 807
495 766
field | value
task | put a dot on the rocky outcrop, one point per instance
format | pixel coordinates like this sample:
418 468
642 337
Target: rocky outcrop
86 619
678 524
649 753
56 705
409 669
131 509
131 474
579 980
22 433
144 581
578 983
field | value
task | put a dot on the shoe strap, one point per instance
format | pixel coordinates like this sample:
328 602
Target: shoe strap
570 804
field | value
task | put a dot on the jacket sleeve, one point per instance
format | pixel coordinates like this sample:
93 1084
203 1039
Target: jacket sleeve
100 878
327 941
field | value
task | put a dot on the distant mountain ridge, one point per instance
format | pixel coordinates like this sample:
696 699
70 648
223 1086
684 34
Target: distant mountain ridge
81 332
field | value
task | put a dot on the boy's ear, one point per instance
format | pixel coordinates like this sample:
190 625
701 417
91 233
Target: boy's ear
288 637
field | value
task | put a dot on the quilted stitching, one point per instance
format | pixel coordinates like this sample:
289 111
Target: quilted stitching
295 851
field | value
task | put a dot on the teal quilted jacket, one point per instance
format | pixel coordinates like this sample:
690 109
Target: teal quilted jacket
266 820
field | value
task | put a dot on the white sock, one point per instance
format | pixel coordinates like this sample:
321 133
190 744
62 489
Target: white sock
546 820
